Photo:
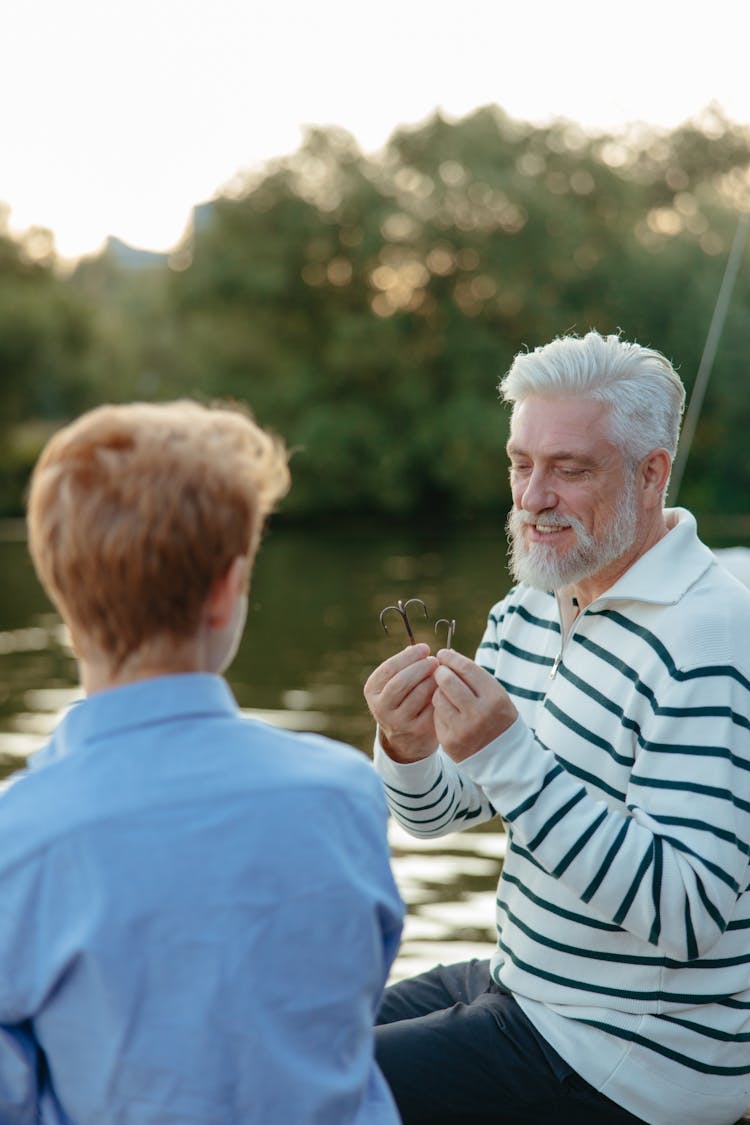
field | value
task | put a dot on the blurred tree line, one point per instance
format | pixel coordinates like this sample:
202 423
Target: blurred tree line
366 306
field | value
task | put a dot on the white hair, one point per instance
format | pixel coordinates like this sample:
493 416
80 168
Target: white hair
644 392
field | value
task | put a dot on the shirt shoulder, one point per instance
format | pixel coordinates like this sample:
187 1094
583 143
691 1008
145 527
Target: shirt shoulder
308 759
273 774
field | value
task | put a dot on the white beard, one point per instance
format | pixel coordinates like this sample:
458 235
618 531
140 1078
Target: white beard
540 566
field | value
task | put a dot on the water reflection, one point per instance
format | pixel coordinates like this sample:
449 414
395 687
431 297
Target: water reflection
312 638
449 885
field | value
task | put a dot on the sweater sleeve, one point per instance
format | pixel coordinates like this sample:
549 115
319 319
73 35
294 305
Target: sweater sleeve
669 864
431 797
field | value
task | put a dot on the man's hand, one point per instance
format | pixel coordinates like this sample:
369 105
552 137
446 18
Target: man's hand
470 706
399 695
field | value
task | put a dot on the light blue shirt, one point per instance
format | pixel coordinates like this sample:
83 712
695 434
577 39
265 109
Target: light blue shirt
197 919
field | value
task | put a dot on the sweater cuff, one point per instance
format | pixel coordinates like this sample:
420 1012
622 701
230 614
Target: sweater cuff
407 775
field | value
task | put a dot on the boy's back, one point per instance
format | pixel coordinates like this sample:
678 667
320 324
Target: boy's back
199 915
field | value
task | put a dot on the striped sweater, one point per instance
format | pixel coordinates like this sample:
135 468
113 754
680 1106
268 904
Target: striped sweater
623 912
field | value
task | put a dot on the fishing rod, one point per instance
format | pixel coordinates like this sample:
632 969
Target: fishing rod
709 353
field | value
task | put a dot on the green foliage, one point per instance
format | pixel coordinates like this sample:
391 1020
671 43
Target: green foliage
366 307
44 337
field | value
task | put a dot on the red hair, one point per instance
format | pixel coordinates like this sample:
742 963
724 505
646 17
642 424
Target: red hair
135 510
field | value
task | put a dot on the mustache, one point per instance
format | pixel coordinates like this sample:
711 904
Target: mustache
518 518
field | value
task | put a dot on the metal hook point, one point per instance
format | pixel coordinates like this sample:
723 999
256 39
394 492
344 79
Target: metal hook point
451 630
401 609
404 607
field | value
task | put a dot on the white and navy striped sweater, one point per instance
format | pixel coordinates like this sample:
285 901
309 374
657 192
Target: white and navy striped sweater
623 911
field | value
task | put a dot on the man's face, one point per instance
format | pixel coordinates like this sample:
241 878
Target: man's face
575 508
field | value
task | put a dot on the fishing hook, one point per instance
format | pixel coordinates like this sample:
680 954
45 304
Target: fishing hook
401 609
451 630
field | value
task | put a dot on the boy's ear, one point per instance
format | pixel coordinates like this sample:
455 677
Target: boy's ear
218 607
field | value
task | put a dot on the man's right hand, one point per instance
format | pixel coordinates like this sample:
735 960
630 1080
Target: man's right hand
399 694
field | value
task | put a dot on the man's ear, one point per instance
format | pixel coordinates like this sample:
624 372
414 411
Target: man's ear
655 469
218 607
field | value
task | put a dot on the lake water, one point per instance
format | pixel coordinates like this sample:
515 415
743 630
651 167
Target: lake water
313 636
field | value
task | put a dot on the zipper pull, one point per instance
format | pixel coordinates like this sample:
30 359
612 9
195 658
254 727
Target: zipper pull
555 666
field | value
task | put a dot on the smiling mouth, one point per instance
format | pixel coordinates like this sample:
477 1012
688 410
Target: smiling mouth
548 528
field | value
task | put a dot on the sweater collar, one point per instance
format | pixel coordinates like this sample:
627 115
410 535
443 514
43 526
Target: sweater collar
668 569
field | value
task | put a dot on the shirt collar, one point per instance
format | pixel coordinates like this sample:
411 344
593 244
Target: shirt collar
132 706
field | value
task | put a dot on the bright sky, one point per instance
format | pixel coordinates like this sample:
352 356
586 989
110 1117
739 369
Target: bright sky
116 118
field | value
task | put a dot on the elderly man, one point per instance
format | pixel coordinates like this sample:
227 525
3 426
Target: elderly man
606 720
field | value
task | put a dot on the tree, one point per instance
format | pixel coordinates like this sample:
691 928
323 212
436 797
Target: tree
366 306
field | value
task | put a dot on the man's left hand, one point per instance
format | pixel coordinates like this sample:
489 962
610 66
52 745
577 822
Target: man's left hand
470 706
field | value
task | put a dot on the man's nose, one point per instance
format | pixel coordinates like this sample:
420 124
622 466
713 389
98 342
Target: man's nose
537 494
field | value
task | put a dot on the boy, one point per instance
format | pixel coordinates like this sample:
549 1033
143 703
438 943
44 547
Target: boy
197 913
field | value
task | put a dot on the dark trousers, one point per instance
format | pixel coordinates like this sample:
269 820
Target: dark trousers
456 1049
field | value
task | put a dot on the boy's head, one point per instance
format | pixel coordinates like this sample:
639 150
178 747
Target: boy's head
135 511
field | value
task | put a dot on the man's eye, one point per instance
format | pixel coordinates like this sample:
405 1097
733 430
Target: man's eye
570 473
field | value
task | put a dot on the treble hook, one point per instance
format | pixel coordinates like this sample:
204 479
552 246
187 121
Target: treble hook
451 630
400 608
